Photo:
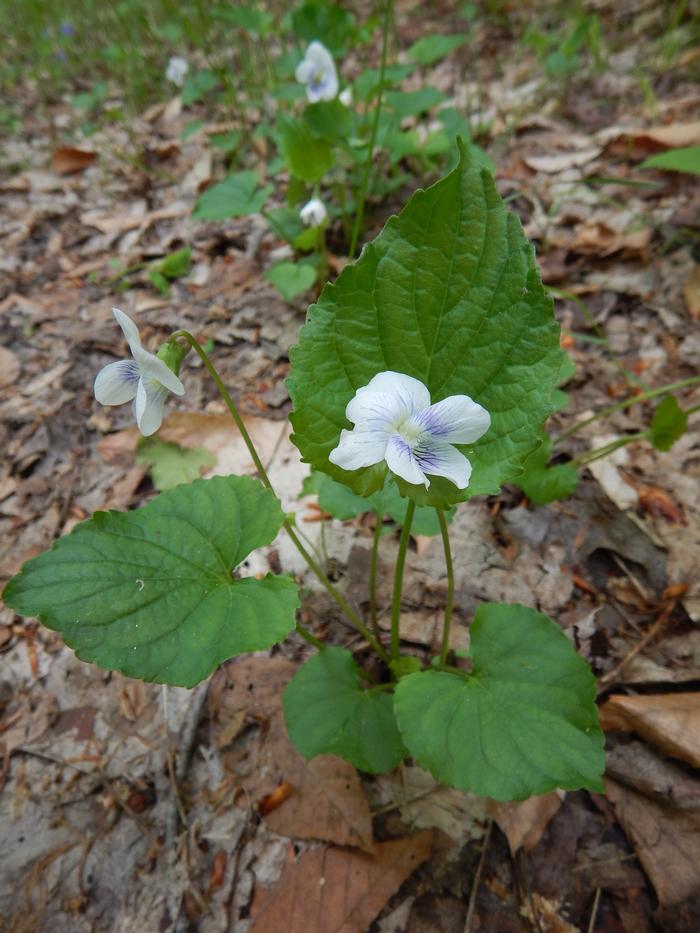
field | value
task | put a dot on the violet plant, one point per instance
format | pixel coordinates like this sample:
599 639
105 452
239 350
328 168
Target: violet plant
425 374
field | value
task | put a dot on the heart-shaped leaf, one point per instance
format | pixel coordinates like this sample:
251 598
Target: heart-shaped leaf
236 196
523 722
151 592
329 713
291 278
448 293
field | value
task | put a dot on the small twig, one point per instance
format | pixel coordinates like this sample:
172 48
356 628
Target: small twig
594 910
477 879
610 677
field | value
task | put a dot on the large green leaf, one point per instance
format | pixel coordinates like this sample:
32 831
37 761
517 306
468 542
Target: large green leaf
151 593
524 722
448 293
676 160
329 713
235 196
307 157
343 503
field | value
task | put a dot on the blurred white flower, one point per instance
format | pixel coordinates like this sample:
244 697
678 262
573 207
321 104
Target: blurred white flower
313 213
317 72
394 421
177 70
146 379
345 97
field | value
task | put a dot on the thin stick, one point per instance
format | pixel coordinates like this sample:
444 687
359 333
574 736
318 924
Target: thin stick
398 580
360 212
594 910
609 678
450 587
477 880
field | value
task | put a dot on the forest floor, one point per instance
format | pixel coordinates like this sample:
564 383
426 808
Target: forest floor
127 806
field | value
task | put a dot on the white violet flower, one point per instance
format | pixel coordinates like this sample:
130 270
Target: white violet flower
345 97
177 70
313 213
394 421
317 72
146 379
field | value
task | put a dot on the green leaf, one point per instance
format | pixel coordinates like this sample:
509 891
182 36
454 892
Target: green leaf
542 483
329 713
171 464
413 103
676 160
235 196
342 503
307 157
327 22
430 49
524 722
176 264
227 142
158 280
366 85
329 120
448 293
197 85
668 424
151 593
291 278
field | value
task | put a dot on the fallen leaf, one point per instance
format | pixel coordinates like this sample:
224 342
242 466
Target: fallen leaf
553 164
669 721
524 822
666 839
326 800
9 367
67 159
691 293
339 890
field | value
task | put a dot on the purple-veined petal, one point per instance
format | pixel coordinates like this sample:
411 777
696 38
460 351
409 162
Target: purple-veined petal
402 461
129 329
153 368
438 458
149 404
116 383
457 420
359 449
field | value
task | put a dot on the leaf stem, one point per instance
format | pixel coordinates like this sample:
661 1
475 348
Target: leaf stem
373 573
335 594
450 587
360 211
398 580
627 403
307 636
606 449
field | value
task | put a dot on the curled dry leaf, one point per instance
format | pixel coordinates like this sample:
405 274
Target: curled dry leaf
691 293
670 721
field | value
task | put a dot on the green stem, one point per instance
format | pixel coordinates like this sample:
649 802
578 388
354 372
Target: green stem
336 595
373 573
627 403
398 580
450 587
307 636
606 449
360 211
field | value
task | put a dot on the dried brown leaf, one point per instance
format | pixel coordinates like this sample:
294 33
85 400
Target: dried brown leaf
524 823
335 890
691 293
67 159
669 721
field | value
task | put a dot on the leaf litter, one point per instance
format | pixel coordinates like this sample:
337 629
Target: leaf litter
94 824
